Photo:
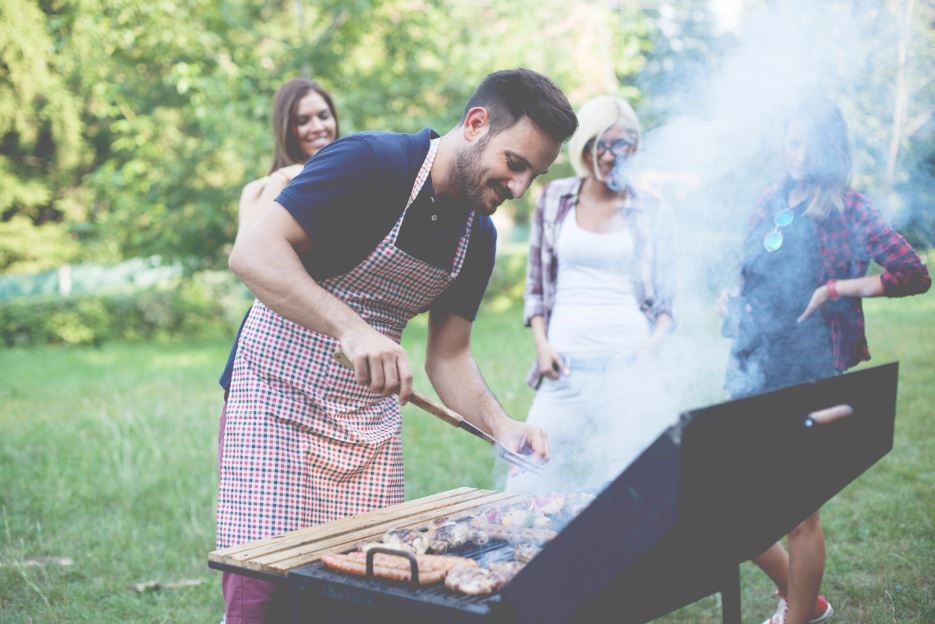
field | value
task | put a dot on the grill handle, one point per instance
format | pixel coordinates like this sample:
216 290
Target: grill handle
413 564
828 415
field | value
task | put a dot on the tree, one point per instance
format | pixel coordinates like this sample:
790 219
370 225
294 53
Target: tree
42 147
132 125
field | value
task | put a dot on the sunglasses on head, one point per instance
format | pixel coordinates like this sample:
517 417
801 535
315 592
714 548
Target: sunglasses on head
773 240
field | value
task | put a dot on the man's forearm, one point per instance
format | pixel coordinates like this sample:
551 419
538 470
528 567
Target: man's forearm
459 384
273 272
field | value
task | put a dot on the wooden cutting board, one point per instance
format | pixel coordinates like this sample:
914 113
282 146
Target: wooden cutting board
275 556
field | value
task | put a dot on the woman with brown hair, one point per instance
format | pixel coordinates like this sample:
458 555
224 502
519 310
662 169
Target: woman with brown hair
304 121
797 316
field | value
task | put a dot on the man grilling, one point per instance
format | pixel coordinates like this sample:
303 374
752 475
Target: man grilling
382 227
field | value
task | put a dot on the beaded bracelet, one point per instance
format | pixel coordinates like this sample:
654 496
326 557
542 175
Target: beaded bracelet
832 289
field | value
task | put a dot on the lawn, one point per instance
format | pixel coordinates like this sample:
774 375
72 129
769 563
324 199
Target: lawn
107 457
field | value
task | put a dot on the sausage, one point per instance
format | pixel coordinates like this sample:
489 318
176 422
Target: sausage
513 534
476 580
472 581
525 552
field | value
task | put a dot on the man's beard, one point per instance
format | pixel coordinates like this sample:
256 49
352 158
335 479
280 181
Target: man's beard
468 176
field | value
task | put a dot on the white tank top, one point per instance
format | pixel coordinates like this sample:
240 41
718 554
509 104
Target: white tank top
595 304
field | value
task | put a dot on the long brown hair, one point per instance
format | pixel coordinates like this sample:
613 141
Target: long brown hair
829 154
287 150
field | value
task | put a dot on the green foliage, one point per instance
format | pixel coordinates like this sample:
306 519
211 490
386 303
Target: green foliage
131 127
128 128
508 278
25 247
204 304
41 143
161 303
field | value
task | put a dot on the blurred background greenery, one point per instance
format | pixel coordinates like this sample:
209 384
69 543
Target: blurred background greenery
127 128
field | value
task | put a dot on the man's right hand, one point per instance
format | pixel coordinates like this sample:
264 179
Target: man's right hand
379 363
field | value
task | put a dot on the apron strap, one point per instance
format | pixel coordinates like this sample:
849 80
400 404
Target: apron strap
423 173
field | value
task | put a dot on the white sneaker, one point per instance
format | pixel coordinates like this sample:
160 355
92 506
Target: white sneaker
779 617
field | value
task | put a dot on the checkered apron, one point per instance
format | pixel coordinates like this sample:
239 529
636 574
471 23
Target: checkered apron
304 443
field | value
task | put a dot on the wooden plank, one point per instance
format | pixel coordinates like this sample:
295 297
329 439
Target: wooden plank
245 550
279 554
377 521
310 553
324 539
280 562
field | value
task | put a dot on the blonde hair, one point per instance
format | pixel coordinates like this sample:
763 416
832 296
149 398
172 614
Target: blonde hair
595 117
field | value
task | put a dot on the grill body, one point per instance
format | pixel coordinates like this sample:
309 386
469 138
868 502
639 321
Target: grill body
711 492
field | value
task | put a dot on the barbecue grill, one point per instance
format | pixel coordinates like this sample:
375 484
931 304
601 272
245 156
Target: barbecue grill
711 492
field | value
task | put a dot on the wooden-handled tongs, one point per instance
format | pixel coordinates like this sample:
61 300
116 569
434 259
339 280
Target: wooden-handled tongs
457 420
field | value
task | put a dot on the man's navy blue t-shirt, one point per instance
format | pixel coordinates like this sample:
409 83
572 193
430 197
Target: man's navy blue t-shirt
352 192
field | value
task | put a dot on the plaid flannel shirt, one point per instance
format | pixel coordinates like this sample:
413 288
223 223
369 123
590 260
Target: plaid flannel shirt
847 241
652 232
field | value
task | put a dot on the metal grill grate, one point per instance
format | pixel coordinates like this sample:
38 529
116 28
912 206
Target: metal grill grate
494 551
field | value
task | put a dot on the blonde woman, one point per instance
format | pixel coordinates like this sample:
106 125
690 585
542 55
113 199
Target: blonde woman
797 316
598 298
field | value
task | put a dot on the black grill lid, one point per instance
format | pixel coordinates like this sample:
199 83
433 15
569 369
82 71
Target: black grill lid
711 492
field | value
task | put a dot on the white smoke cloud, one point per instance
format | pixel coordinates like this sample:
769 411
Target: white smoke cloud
721 150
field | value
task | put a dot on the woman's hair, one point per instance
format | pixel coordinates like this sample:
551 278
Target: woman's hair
287 150
829 153
595 117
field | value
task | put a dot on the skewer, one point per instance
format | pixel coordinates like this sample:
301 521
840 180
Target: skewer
457 420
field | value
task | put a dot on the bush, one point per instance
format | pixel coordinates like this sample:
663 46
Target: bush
508 277
208 304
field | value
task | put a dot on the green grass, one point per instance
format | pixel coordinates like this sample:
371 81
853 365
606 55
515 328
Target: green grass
107 456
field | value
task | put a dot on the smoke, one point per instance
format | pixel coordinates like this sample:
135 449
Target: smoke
717 156
718 152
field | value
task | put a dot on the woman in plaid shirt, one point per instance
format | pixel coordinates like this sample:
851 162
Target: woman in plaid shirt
798 315
598 298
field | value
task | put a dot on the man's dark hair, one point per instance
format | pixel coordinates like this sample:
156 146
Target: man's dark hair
510 94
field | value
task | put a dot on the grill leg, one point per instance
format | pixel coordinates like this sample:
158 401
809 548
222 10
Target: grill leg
730 596
295 590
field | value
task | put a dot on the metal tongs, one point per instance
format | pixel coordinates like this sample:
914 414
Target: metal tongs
457 420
